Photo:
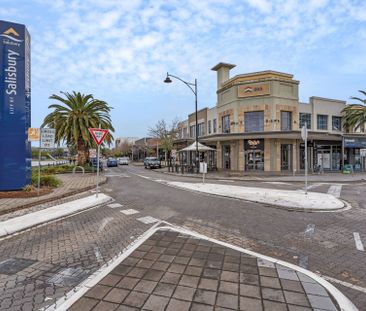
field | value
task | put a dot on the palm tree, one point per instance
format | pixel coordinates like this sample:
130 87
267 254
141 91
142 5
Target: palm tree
354 115
72 118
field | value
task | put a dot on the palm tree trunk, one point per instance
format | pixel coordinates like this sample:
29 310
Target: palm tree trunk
82 152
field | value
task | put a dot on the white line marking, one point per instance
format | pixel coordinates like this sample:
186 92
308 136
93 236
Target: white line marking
346 284
148 220
335 190
114 205
98 255
315 185
358 241
104 223
309 231
129 211
276 183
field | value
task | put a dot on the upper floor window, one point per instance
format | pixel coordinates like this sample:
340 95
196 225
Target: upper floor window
214 125
209 126
286 121
254 121
226 124
201 129
192 131
322 122
305 118
336 123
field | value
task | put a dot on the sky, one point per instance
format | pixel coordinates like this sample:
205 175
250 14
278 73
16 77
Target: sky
120 50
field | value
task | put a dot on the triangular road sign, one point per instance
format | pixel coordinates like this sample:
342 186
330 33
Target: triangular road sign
98 135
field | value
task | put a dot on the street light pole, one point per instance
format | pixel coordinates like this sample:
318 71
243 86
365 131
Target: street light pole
189 84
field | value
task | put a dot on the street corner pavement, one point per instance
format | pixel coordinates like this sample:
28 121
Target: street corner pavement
177 269
289 199
26 221
71 184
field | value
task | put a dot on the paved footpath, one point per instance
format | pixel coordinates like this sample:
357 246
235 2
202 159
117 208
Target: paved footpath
175 272
71 184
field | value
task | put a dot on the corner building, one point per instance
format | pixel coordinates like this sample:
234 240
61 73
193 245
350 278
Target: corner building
256 124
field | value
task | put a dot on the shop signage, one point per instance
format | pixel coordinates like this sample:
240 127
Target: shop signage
250 90
15 106
33 134
254 144
355 142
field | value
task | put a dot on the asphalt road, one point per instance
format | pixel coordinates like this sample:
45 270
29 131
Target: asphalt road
320 242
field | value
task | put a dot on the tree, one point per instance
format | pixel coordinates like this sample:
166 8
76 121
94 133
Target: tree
125 147
354 115
73 116
166 134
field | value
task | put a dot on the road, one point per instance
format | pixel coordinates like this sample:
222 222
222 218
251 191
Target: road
44 263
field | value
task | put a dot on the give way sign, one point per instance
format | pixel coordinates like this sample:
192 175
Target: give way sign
98 135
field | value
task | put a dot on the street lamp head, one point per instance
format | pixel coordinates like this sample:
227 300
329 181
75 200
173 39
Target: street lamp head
167 79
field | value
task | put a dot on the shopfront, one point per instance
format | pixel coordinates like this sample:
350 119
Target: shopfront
327 155
254 154
352 152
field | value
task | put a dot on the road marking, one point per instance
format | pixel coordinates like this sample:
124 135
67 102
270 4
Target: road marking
358 241
98 255
309 231
315 185
114 205
335 190
129 211
148 220
276 182
104 223
346 284
303 261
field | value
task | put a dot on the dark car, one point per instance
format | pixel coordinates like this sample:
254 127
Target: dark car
93 163
152 162
112 162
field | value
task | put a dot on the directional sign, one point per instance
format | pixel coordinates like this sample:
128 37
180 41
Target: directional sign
92 153
48 138
98 135
33 134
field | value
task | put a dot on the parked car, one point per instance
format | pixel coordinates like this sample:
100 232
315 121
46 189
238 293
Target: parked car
112 162
123 161
93 163
152 162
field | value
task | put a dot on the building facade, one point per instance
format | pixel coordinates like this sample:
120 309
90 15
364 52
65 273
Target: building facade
256 126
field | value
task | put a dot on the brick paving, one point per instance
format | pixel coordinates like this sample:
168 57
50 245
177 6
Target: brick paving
71 184
172 271
40 265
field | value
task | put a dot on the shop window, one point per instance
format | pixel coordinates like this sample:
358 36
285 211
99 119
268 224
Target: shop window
286 120
254 121
322 122
209 126
214 125
192 131
305 118
226 124
336 123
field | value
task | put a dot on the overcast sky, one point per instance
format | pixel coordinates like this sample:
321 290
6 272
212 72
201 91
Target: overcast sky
120 50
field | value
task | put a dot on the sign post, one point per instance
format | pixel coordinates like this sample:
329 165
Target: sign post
304 136
203 170
46 141
98 136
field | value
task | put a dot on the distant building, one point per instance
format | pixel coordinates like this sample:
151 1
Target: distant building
120 140
256 126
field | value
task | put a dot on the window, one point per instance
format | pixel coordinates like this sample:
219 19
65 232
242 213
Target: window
305 117
201 129
322 122
286 120
254 121
209 126
214 125
336 123
192 131
226 124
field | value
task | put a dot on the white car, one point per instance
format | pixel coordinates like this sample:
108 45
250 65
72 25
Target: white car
123 161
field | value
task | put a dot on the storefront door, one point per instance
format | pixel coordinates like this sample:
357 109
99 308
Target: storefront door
226 157
286 157
254 154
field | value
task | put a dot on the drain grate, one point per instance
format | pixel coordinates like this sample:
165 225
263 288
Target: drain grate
14 265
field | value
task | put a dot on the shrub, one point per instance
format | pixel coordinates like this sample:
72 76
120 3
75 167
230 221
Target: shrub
28 188
46 180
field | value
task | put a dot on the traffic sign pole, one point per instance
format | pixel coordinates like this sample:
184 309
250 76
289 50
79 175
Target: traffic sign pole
98 169
39 167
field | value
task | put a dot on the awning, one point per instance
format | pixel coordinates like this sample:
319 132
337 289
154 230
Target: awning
200 148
